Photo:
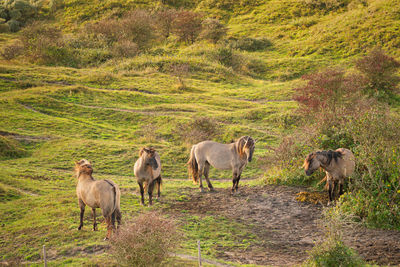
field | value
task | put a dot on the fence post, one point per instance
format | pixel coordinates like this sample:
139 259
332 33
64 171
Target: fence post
44 256
199 251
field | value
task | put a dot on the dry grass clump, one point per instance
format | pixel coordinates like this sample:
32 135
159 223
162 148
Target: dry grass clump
144 241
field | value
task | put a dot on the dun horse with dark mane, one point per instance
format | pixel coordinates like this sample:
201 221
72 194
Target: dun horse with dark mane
337 164
103 194
147 170
234 156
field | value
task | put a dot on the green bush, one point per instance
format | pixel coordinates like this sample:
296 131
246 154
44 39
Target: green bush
248 43
375 195
213 30
9 148
331 251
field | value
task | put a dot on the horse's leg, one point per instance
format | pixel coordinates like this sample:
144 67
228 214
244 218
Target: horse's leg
237 182
94 219
109 227
150 191
113 216
201 169
141 193
340 188
234 181
331 189
82 207
158 182
206 172
119 217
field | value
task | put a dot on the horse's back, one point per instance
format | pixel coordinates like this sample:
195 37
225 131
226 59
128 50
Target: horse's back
348 161
217 154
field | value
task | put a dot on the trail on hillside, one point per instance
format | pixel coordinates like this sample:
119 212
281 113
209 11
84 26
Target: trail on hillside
286 227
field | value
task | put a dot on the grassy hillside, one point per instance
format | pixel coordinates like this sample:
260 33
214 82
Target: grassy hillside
51 116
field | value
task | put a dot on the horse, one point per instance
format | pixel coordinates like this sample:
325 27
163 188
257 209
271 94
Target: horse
103 194
337 164
234 156
147 170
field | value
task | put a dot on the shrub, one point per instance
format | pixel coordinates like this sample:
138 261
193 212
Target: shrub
187 25
9 148
13 25
213 30
164 21
16 13
327 4
138 27
105 31
376 186
12 50
332 251
379 72
199 129
145 241
125 48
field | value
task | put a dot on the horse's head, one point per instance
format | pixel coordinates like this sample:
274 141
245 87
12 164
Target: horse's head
311 163
83 166
246 146
149 157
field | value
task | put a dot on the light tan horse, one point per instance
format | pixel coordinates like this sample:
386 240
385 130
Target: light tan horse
337 164
234 156
147 170
103 194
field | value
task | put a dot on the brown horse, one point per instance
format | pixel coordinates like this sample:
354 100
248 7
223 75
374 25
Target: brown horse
147 170
337 164
234 156
103 194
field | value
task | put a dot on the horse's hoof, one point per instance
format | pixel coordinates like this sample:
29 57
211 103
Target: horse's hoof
211 189
202 190
105 238
80 227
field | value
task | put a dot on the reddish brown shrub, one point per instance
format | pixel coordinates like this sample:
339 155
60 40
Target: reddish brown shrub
109 30
138 27
327 91
145 241
165 21
379 72
187 25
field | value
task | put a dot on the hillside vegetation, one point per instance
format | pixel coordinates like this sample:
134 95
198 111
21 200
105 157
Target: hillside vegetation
101 79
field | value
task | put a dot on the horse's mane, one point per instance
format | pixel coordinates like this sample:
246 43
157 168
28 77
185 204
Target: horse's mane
329 155
150 149
242 142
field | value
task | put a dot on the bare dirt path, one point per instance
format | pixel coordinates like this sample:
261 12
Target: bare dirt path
287 228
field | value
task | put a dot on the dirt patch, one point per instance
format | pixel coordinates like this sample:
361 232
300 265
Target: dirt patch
286 227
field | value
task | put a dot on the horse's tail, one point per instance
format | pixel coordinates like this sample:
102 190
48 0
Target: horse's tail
116 211
116 201
193 167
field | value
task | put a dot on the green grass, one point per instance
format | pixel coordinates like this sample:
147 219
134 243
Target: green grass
103 113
